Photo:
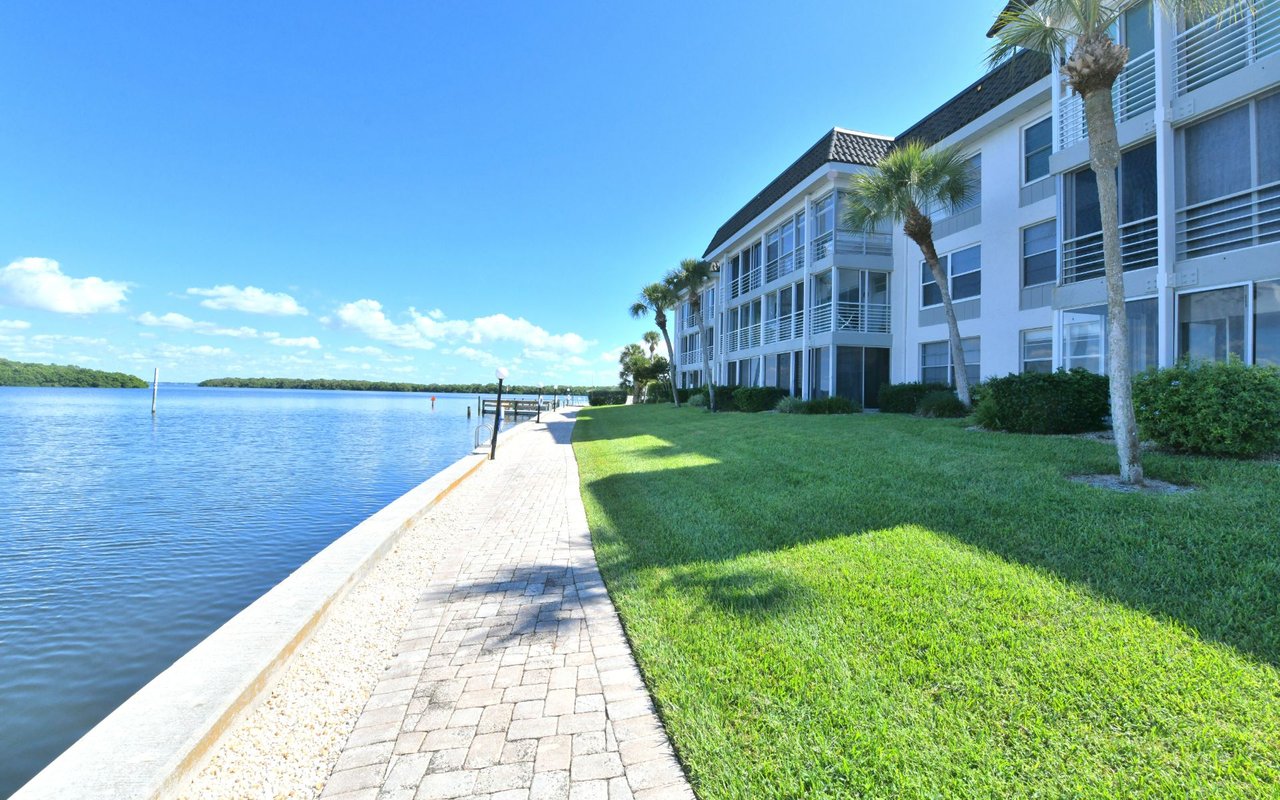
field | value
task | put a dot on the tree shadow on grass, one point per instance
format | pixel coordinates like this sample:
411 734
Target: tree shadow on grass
1210 560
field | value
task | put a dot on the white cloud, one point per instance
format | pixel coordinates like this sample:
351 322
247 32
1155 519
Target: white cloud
422 331
173 351
185 323
310 342
58 338
14 325
170 320
368 317
250 299
477 356
40 283
363 351
500 327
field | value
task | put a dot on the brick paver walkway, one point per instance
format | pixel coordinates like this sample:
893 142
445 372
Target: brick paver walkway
513 680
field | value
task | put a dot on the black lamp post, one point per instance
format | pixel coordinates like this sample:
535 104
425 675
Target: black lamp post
501 375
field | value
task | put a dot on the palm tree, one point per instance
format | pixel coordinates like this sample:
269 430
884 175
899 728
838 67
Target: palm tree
1079 33
631 361
650 338
659 298
901 189
692 277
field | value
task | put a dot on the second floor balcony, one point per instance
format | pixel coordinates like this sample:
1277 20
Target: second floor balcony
1228 42
1134 93
852 243
1082 256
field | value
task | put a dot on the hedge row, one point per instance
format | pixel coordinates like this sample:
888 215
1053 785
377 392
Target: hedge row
607 397
1045 402
1225 409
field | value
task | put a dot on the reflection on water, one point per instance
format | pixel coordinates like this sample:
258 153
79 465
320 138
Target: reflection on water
126 539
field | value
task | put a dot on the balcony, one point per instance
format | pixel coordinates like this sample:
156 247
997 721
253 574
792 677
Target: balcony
1082 256
1134 93
692 358
852 243
784 328
743 338
784 265
747 282
1230 223
852 317
1226 43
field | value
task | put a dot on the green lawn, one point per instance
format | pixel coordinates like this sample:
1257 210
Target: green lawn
882 606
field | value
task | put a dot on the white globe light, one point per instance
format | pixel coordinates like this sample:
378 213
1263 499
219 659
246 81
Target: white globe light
501 373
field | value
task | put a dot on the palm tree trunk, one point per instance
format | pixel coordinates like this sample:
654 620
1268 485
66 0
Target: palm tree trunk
1104 155
953 325
671 361
706 363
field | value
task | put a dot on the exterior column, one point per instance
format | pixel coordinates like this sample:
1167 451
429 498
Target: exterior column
1166 185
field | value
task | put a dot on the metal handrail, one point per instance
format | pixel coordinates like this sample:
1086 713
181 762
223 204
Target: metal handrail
1134 93
1232 222
1082 256
1226 42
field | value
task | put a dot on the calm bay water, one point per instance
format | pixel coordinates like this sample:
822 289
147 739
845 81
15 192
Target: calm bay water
125 540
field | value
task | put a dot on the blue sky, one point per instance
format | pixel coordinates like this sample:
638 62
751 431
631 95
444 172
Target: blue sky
410 190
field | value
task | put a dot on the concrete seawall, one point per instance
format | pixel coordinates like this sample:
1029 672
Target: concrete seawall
146 747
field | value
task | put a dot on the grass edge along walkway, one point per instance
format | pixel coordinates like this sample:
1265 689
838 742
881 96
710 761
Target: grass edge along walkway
875 606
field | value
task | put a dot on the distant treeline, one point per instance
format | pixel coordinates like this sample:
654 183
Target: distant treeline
18 373
388 386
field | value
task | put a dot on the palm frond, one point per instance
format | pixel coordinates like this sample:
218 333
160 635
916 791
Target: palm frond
1043 27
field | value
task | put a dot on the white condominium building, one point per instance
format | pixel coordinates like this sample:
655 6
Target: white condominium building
803 304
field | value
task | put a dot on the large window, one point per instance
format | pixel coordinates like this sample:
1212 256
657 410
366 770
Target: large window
935 361
1040 253
1211 324
1037 350
1082 224
964 270
1266 323
784 247
1037 145
1084 332
1231 172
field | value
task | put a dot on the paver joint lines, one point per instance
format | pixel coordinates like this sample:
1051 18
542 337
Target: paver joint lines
514 680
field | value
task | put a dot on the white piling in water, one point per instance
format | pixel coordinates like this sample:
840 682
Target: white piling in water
155 388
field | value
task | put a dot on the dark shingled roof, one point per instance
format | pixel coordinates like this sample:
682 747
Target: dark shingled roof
1012 4
989 91
845 147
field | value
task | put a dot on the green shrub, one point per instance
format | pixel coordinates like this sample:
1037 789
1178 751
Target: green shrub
661 393
1038 402
698 400
607 397
754 399
904 398
724 397
943 404
1226 409
832 405
792 405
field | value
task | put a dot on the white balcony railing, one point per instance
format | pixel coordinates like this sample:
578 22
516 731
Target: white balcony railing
853 317
862 317
784 265
1082 256
693 358
853 243
746 282
784 328
1229 223
1134 93
743 338
1225 43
